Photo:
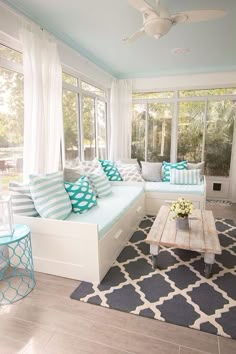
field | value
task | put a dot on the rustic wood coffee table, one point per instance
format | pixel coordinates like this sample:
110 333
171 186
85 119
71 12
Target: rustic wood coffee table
201 237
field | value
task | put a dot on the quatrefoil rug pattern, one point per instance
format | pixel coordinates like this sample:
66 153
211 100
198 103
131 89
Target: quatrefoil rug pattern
177 292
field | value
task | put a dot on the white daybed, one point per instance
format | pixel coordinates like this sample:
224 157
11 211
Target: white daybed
84 246
161 193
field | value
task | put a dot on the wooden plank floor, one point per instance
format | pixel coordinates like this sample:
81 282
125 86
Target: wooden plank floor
48 321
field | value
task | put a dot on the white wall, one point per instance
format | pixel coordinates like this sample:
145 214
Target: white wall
11 22
185 81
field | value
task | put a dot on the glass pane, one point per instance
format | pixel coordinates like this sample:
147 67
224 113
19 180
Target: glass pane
210 92
219 136
87 87
138 131
69 79
101 130
146 95
190 131
159 131
11 126
70 125
10 54
88 118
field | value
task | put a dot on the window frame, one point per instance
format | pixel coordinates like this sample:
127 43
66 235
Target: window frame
174 123
83 93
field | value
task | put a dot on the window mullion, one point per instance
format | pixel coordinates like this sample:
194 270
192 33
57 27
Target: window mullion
146 131
204 130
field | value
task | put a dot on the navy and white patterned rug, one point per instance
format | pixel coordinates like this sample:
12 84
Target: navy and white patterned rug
177 292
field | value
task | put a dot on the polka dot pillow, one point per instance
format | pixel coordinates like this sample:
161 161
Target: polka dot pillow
110 170
81 195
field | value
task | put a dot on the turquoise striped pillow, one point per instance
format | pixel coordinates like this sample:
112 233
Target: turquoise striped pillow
185 176
49 195
101 184
81 195
167 166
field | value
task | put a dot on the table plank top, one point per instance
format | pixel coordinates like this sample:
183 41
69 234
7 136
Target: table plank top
201 237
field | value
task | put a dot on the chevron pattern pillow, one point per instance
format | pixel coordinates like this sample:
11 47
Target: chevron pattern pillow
81 195
167 166
129 172
50 198
185 176
110 170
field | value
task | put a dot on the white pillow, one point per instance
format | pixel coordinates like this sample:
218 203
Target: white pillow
151 171
87 167
49 195
100 183
196 166
129 172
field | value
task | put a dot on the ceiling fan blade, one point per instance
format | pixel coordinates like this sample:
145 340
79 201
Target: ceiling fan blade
140 5
197 16
134 36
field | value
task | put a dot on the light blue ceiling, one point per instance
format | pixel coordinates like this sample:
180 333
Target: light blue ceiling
95 29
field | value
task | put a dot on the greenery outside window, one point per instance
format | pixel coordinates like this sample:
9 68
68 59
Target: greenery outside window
85 120
195 125
11 116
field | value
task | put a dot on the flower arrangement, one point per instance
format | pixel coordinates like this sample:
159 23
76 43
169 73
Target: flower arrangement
182 208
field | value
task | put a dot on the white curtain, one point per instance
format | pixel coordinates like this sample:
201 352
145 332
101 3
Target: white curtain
232 195
121 119
42 102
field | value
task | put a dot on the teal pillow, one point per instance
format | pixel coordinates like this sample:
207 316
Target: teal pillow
81 195
167 166
110 170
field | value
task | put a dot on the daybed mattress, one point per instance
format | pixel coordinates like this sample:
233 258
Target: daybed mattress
167 187
109 209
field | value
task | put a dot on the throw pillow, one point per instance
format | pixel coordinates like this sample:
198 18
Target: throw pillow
87 167
100 183
185 176
49 195
110 170
81 195
22 202
151 171
71 174
167 166
129 172
196 166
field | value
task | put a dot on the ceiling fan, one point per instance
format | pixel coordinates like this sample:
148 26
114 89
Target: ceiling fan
158 21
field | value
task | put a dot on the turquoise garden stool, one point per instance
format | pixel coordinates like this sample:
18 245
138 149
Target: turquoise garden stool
16 265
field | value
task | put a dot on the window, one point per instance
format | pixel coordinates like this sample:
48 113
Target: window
88 116
11 117
70 115
138 131
159 132
151 131
192 125
85 120
190 131
219 137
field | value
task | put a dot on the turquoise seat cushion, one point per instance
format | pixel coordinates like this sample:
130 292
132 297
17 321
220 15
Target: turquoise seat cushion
111 170
81 195
167 187
167 166
109 210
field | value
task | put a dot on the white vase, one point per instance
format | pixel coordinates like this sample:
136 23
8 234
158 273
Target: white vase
182 223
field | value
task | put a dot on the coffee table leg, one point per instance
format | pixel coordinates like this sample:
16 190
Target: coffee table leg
154 250
209 259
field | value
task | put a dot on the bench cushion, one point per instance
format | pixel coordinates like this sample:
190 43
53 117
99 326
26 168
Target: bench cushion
167 187
108 210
